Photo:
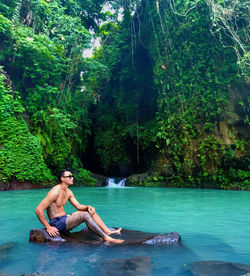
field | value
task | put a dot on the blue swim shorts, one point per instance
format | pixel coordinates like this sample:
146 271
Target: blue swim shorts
59 223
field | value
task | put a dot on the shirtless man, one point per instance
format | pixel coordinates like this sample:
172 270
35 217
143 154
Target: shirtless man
58 220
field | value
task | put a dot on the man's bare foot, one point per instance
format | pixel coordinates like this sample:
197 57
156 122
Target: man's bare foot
109 239
117 231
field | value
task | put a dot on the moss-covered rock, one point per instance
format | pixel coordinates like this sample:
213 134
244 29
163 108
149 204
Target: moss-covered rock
136 179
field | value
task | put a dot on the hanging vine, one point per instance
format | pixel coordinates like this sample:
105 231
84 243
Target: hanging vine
230 19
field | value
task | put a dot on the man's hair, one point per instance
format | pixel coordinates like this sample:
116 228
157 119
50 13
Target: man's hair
60 174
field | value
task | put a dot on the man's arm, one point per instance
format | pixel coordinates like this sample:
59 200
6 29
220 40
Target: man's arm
80 207
44 204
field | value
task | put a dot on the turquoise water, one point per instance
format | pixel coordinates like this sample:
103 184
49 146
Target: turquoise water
213 224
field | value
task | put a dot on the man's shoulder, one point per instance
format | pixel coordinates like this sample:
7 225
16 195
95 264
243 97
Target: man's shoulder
55 189
69 192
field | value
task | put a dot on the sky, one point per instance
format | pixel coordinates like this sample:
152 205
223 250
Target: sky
96 42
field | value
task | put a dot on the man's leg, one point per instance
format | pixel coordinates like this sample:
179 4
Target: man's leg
76 219
106 230
79 217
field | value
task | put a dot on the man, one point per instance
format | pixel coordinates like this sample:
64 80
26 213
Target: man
54 203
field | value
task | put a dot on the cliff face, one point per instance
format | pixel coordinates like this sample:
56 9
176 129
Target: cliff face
203 108
233 121
230 150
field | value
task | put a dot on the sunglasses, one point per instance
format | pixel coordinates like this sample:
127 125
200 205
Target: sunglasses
68 176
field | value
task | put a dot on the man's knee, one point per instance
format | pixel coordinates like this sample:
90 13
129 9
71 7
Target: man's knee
76 219
84 215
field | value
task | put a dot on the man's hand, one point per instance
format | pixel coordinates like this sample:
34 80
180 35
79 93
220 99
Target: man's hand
52 231
91 210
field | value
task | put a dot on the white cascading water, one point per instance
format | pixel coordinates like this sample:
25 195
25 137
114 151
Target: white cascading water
112 183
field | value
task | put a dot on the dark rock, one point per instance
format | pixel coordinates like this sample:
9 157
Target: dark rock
171 238
41 235
101 180
231 124
86 236
137 266
170 172
215 268
4 248
243 132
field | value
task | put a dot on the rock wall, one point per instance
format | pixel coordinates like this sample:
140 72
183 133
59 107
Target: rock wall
17 185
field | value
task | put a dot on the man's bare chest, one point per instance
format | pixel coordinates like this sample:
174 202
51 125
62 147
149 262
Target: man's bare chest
61 199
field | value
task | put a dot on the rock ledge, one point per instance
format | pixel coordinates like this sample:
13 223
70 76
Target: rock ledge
88 237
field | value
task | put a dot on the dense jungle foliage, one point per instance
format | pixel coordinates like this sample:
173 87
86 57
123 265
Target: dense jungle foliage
166 95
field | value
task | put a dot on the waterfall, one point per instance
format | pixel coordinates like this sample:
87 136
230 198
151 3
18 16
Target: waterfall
116 182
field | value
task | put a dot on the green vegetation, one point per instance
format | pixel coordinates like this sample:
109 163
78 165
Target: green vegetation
166 93
41 53
20 153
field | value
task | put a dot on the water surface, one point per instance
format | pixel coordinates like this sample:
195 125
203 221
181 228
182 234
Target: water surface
213 224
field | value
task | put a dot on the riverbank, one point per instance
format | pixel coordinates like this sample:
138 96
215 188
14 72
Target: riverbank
15 185
135 180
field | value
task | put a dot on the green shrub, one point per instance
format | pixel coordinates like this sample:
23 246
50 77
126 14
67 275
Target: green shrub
83 177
